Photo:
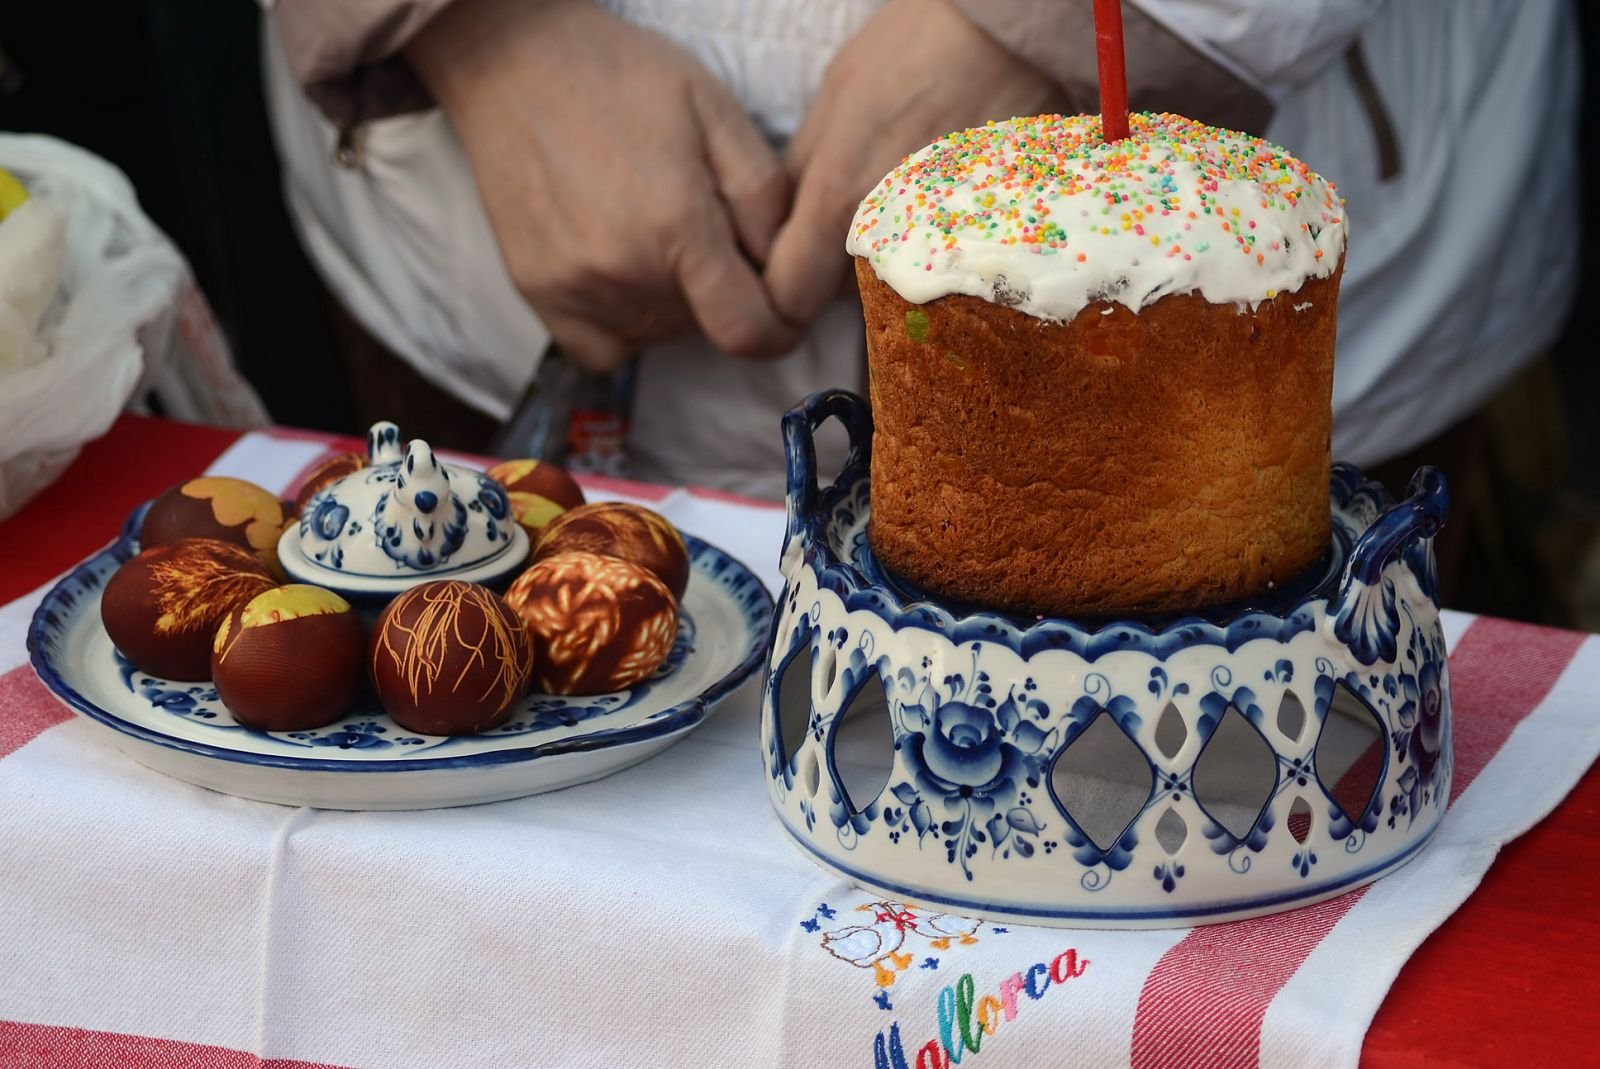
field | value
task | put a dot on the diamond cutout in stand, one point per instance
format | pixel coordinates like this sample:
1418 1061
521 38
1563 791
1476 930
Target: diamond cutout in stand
861 748
1291 717
830 668
1350 752
1235 775
1171 732
1171 831
1102 781
1300 820
793 691
810 776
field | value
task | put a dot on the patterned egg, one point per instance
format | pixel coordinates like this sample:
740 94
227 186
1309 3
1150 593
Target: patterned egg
325 473
215 506
162 607
539 492
289 659
449 658
599 624
618 529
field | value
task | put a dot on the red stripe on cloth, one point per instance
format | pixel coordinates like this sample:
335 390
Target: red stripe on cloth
1203 1003
1499 673
291 488
85 508
38 1046
26 708
605 484
706 493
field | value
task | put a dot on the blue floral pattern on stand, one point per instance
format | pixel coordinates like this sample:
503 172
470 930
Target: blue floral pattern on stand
972 760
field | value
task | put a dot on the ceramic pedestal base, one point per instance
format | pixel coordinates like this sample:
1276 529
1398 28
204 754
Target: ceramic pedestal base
1132 773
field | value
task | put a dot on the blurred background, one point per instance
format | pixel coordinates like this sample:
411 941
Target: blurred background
170 91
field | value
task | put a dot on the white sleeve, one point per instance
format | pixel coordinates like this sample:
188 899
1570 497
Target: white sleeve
1274 45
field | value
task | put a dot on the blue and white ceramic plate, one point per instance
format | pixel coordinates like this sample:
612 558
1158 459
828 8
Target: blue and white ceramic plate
367 761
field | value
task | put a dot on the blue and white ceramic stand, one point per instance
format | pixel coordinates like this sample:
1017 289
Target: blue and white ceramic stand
984 711
406 518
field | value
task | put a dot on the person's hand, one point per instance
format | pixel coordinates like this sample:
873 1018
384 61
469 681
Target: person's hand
630 194
916 70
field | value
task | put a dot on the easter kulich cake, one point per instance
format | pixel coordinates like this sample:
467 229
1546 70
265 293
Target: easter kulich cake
1101 374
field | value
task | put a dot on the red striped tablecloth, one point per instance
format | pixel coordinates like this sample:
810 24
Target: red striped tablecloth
235 934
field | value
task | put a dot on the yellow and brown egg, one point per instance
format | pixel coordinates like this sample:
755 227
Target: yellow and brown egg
289 659
215 506
620 529
324 474
598 624
539 492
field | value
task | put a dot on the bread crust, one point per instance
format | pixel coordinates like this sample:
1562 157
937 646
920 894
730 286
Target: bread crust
1119 463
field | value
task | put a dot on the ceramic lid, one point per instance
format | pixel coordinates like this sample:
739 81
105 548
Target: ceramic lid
407 516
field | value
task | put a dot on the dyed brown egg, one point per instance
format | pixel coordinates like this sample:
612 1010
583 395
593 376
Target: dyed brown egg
617 529
327 472
539 492
215 506
449 658
289 659
162 608
599 624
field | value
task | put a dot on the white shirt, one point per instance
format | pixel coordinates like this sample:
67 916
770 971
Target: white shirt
1458 270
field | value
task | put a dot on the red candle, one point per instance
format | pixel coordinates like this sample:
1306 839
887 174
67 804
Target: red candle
1113 69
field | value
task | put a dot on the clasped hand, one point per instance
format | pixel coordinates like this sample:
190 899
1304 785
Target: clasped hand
634 200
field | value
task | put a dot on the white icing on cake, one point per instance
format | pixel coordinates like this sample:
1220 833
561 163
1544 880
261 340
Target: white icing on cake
1041 215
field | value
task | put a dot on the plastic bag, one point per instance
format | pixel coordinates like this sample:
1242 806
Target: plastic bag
128 323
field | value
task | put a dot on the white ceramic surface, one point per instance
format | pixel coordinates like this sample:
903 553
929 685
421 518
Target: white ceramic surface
405 517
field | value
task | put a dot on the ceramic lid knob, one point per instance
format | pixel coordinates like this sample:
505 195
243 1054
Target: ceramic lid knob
383 444
421 523
407 514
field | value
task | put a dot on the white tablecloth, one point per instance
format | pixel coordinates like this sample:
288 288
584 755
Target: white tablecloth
660 916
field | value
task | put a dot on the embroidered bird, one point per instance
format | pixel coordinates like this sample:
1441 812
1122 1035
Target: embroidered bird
940 928
874 946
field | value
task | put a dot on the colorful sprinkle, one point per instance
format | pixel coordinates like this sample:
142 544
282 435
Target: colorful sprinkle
1007 184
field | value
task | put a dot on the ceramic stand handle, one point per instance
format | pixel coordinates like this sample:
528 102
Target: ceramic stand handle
1419 516
800 450
1366 615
